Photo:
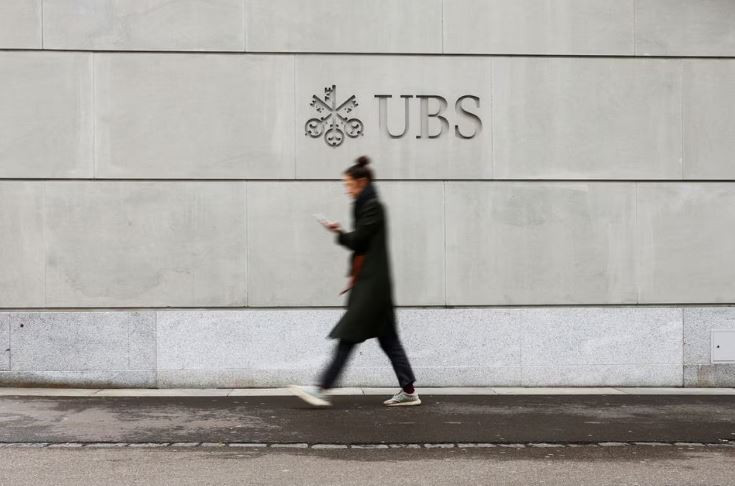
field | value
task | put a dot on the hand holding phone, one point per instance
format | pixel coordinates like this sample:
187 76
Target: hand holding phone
330 225
322 219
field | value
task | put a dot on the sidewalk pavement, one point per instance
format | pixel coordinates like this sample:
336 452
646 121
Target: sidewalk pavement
447 418
255 392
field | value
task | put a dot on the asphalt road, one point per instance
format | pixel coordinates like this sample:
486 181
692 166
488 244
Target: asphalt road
363 419
599 466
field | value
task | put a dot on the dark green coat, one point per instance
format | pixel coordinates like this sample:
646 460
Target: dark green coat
370 310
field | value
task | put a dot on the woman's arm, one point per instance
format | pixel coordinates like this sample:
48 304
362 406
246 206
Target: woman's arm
368 223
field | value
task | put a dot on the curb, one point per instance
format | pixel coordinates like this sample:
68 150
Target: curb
359 391
323 446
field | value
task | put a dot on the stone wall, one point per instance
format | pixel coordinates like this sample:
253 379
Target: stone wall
558 175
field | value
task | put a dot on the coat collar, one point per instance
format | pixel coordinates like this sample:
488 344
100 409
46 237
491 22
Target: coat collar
368 193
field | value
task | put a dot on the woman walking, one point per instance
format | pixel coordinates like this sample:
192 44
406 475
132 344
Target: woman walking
370 312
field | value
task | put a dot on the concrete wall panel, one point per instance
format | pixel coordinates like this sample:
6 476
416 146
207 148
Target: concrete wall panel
685 28
145 244
184 25
562 27
540 243
404 26
709 125
576 27
586 118
21 244
404 157
45 114
194 116
20 24
292 260
417 242
685 248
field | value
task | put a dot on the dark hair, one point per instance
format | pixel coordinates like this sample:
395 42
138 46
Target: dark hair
361 169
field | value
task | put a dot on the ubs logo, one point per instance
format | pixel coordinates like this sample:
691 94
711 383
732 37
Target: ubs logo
335 121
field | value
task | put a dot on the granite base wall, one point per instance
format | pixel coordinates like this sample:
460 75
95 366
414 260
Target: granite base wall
496 346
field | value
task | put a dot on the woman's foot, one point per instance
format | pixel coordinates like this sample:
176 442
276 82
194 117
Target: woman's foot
312 395
403 399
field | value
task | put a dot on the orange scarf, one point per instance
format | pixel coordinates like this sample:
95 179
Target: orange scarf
356 267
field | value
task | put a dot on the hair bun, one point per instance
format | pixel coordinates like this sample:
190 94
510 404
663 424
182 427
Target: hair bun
363 160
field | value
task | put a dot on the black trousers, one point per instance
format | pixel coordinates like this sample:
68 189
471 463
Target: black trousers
392 347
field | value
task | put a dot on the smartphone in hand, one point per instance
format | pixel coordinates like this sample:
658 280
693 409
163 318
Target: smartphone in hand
330 225
322 219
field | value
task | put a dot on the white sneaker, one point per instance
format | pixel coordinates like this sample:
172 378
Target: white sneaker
311 395
403 399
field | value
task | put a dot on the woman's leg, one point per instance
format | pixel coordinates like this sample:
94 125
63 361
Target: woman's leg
333 370
392 346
